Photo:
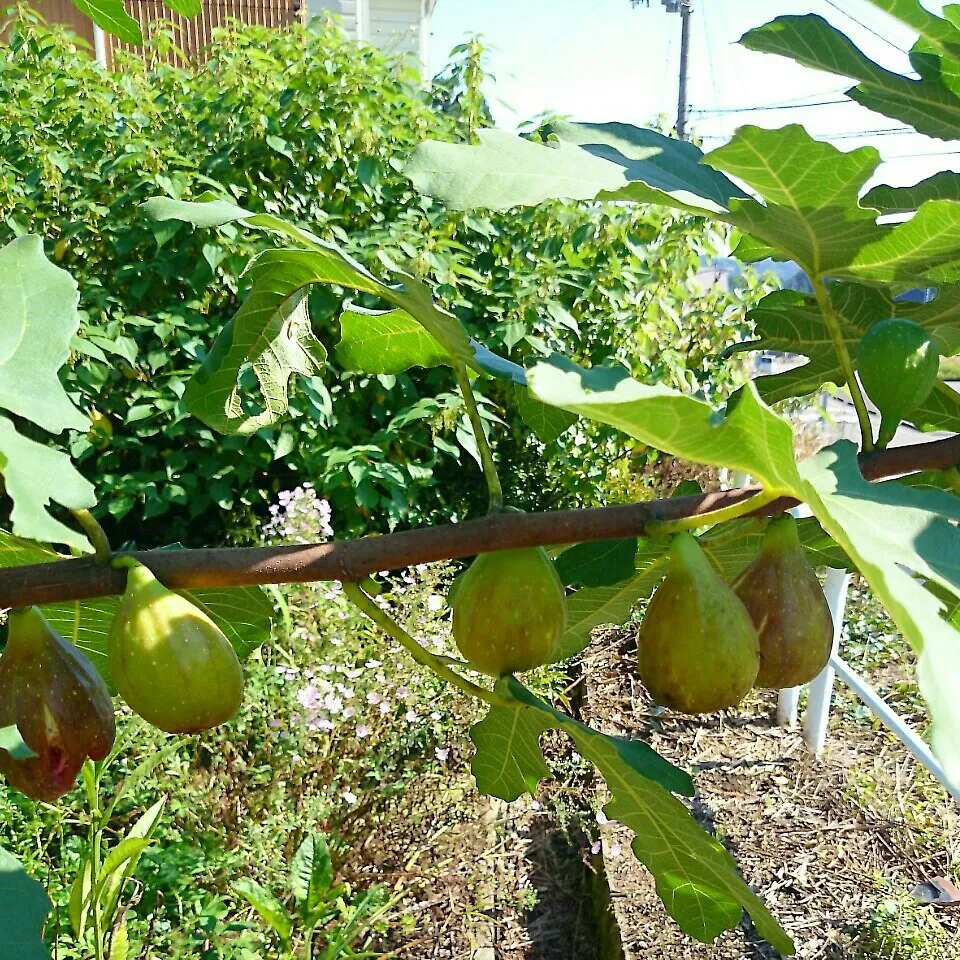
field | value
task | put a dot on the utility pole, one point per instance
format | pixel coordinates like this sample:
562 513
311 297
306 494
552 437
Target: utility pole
685 12
685 9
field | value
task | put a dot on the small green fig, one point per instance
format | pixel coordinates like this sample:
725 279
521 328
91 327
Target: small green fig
169 660
58 701
509 611
697 650
898 362
783 597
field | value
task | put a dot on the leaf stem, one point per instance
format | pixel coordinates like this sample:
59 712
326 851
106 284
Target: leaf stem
486 456
98 537
419 653
732 512
846 364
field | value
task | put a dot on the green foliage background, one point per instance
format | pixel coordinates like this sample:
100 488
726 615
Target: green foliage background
307 124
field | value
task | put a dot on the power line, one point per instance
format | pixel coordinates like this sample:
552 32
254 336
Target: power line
706 34
566 30
860 23
722 111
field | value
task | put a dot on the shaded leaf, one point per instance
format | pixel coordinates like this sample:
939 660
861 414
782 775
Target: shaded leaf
36 476
24 906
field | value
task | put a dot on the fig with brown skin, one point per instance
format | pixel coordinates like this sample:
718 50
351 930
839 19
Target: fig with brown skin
697 650
786 603
58 701
170 661
509 611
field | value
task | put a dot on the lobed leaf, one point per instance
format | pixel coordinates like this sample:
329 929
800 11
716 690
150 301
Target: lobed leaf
696 877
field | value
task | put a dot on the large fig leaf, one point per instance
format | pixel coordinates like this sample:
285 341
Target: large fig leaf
36 476
24 906
612 161
38 304
899 537
928 103
696 877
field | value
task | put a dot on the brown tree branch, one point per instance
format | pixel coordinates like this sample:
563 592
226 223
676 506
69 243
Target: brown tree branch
352 560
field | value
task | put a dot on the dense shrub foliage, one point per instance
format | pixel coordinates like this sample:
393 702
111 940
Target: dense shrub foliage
308 123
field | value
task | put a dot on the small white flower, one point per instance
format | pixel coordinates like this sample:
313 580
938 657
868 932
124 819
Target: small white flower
602 818
595 847
435 602
349 796
441 753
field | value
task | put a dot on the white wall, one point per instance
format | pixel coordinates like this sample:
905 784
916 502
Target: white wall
345 9
397 26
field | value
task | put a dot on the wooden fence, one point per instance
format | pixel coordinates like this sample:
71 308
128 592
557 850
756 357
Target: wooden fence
192 35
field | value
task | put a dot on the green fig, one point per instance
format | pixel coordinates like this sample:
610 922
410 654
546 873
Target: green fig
170 661
58 701
509 611
898 362
783 597
698 649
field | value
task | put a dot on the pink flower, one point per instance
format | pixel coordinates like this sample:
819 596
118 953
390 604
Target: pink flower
363 730
615 850
441 753
410 717
309 697
403 693
350 712
535 805
595 847
385 707
373 697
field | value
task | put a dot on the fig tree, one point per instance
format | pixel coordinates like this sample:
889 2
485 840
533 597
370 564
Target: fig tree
169 660
697 649
509 611
58 701
898 362
783 597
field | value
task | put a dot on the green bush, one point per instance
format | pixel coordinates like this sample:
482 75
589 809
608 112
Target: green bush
306 122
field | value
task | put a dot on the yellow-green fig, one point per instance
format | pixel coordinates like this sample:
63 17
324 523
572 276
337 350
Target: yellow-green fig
509 611
59 703
169 660
698 649
783 597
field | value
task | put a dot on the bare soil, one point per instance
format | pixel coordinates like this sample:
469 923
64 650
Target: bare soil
818 839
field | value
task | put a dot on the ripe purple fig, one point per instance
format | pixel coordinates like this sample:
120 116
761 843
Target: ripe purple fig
783 597
170 661
58 701
697 650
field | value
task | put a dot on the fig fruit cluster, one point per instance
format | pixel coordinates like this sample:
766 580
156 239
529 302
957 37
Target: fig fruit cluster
704 644
509 611
169 661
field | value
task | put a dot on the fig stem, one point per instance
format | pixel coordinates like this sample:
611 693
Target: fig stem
439 665
102 550
669 527
483 448
846 364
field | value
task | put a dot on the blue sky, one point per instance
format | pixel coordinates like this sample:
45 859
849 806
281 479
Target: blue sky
606 60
